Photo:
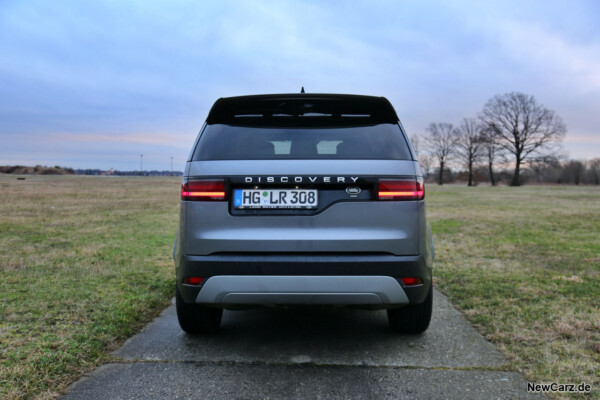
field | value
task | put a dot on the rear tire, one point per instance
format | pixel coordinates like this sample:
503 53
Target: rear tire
413 318
196 319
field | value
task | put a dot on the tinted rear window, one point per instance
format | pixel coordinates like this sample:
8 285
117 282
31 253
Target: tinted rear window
225 142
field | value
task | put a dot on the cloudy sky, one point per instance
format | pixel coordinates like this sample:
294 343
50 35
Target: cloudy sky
95 84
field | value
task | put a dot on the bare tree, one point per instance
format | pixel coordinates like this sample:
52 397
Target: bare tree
469 144
522 127
423 158
415 140
490 151
573 172
542 166
594 170
425 161
441 143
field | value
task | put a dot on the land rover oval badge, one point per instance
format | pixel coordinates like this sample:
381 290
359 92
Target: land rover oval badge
353 191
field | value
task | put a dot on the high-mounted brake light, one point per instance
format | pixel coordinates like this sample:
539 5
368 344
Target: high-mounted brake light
203 190
392 189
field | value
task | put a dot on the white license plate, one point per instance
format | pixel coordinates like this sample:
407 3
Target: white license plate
275 198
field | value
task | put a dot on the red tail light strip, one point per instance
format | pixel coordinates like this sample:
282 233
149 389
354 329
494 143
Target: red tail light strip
401 194
401 189
203 190
203 194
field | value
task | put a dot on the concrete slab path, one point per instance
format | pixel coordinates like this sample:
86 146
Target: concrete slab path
306 353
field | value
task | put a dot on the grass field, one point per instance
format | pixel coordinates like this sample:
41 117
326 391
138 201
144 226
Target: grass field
85 262
523 264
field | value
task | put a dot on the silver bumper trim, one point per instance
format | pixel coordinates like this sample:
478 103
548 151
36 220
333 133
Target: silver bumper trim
329 290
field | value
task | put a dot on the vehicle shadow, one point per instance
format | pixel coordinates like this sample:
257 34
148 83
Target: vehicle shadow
325 336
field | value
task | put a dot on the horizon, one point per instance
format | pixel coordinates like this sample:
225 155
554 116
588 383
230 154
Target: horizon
93 86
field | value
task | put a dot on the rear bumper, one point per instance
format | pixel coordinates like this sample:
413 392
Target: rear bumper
262 279
326 290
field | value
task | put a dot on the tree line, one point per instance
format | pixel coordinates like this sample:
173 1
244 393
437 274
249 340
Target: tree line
58 170
512 132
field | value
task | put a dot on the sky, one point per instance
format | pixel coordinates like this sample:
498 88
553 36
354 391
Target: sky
95 84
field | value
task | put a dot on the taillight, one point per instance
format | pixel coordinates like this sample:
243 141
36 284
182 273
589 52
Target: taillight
401 189
203 190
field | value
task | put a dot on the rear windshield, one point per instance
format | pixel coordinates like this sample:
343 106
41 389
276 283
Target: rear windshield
378 142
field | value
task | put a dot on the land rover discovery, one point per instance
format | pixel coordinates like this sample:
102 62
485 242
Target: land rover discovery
303 199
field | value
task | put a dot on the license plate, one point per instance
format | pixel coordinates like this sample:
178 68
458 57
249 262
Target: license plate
275 198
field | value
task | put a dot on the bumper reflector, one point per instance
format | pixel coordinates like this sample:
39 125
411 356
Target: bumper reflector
192 280
412 281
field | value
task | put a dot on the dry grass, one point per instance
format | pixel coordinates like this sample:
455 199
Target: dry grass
84 263
523 264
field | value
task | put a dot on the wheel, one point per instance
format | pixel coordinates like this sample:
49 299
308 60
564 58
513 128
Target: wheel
412 318
195 319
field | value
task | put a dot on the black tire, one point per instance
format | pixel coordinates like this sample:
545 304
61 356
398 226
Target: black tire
413 318
196 319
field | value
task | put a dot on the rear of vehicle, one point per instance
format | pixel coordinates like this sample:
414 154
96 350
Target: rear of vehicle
303 199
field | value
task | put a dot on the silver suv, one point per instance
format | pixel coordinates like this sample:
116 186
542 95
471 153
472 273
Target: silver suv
303 199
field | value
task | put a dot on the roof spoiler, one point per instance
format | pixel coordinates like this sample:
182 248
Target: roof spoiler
299 109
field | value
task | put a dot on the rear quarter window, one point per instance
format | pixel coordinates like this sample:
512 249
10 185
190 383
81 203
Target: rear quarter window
226 142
